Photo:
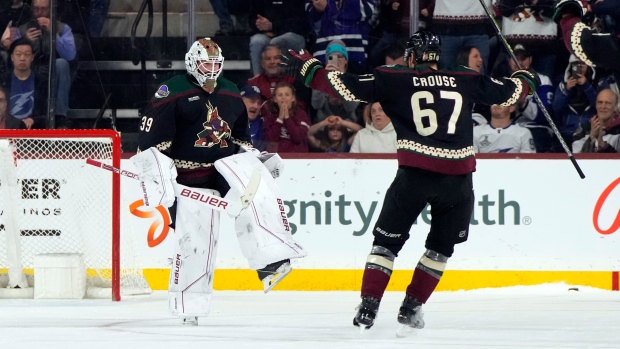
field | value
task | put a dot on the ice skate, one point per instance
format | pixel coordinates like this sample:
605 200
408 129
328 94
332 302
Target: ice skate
189 320
410 315
366 313
272 274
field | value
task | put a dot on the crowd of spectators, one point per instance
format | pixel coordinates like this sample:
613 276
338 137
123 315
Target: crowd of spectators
356 36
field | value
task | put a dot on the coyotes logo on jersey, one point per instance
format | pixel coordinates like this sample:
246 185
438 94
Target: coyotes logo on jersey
216 130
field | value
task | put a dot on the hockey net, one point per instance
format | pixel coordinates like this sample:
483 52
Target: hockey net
54 203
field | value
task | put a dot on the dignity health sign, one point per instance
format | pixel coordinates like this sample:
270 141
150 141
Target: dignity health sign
529 215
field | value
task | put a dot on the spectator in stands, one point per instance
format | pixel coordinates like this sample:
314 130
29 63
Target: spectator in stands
502 135
286 125
333 135
271 75
574 99
27 97
378 136
470 57
528 113
7 121
325 105
225 20
394 25
279 23
346 20
602 133
529 22
395 55
36 30
461 23
98 14
14 12
253 102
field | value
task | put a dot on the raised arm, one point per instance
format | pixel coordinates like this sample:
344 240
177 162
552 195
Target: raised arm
309 70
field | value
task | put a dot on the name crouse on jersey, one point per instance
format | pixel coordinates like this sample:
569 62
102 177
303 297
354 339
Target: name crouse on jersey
430 109
511 139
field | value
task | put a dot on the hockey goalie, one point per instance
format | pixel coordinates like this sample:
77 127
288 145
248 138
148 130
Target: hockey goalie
195 158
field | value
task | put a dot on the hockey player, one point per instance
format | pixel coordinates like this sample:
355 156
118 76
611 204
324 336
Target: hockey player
188 135
432 116
590 46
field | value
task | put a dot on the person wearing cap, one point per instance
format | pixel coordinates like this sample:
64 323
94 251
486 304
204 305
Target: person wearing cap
528 113
253 101
337 59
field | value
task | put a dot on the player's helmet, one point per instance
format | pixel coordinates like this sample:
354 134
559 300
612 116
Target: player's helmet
425 46
204 61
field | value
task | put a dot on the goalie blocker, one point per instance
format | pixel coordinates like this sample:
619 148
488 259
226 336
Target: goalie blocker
262 228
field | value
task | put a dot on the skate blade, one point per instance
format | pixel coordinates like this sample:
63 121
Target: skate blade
405 331
189 321
272 280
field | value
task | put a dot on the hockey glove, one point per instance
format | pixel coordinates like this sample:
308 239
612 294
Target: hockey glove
530 77
301 66
573 7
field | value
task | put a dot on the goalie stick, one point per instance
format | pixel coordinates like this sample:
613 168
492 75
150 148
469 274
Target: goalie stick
536 97
214 202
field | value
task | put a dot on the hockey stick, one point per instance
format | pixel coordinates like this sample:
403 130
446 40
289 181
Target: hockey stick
214 202
536 97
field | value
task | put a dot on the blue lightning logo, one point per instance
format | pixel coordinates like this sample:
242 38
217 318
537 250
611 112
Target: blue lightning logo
23 104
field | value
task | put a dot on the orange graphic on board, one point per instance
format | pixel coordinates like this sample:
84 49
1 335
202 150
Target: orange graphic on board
162 219
597 210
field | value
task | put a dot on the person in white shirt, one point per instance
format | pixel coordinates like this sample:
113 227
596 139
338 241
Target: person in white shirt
379 135
502 135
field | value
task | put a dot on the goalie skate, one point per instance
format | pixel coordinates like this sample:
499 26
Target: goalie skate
272 274
189 320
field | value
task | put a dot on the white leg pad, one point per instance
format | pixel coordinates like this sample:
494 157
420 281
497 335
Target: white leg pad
262 229
193 264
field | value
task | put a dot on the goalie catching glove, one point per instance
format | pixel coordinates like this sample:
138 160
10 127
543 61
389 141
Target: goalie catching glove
157 175
530 77
301 66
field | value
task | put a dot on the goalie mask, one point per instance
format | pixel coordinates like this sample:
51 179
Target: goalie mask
425 46
204 61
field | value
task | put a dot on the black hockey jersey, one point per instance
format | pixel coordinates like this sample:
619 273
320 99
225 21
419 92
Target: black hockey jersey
430 109
193 127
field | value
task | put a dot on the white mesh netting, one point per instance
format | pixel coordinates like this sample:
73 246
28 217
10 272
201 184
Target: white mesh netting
65 206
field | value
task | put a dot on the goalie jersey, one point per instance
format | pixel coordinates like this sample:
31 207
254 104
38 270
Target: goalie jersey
193 127
430 109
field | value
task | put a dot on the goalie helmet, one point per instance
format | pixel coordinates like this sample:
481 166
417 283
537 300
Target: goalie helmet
204 61
425 46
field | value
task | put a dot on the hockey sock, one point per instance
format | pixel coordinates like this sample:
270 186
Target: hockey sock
426 276
379 265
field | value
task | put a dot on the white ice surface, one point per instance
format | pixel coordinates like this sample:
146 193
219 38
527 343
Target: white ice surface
546 316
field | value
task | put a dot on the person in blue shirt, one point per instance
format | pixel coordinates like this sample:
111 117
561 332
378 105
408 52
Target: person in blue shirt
25 94
253 101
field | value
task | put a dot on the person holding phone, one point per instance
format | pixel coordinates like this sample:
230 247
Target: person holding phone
575 98
36 30
337 59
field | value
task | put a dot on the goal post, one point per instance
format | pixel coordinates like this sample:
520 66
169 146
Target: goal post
55 203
